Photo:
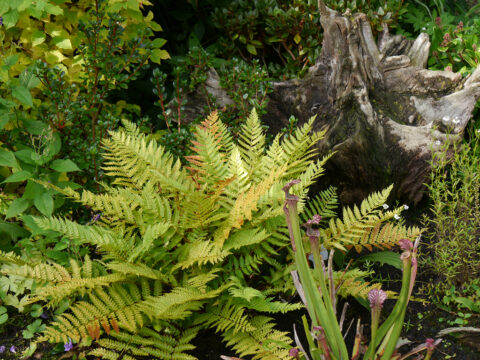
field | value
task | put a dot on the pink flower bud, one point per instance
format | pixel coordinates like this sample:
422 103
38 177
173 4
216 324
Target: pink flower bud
405 244
377 297
430 343
293 352
314 220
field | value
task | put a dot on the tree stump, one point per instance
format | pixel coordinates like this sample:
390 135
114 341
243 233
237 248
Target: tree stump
384 111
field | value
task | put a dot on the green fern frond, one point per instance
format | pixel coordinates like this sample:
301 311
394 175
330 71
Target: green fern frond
60 290
251 142
209 161
268 305
300 145
133 160
263 343
179 303
323 204
226 317
245 237
11 258
44 273
105 239
355 223
202 253
357 288
149 344
142 270
115 304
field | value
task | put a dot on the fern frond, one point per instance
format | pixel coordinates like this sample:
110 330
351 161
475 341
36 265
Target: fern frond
323 204
209 160
11 258
251 142
202 253
300 145
177 304
115 304
227 317
60 290
142 270
263 343
355 223
133 160
245 237
148 343
105 239
385 236
268 305
245 204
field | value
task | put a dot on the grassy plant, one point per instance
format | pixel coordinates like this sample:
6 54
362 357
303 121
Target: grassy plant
454 223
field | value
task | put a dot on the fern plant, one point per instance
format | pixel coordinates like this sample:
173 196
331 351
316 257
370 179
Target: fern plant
177 248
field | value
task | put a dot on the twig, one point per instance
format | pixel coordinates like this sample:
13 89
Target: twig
458 329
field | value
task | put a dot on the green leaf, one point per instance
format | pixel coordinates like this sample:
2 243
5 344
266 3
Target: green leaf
3 120
54 145
62 43
64 165
38 37
13 230
27 156
32 189
158 42
44 203
36 310
11 60
10 19
4 7
17 207
18 176
3 315
297 39
7 159
22 94
35 127
53 9
132 4
384 257
251 49
157 55
28 79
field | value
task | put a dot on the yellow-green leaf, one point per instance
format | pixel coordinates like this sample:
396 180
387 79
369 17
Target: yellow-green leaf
158 55
251 49
63 43
297 39
54 57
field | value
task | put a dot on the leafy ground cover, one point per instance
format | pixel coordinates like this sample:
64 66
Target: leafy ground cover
87 210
